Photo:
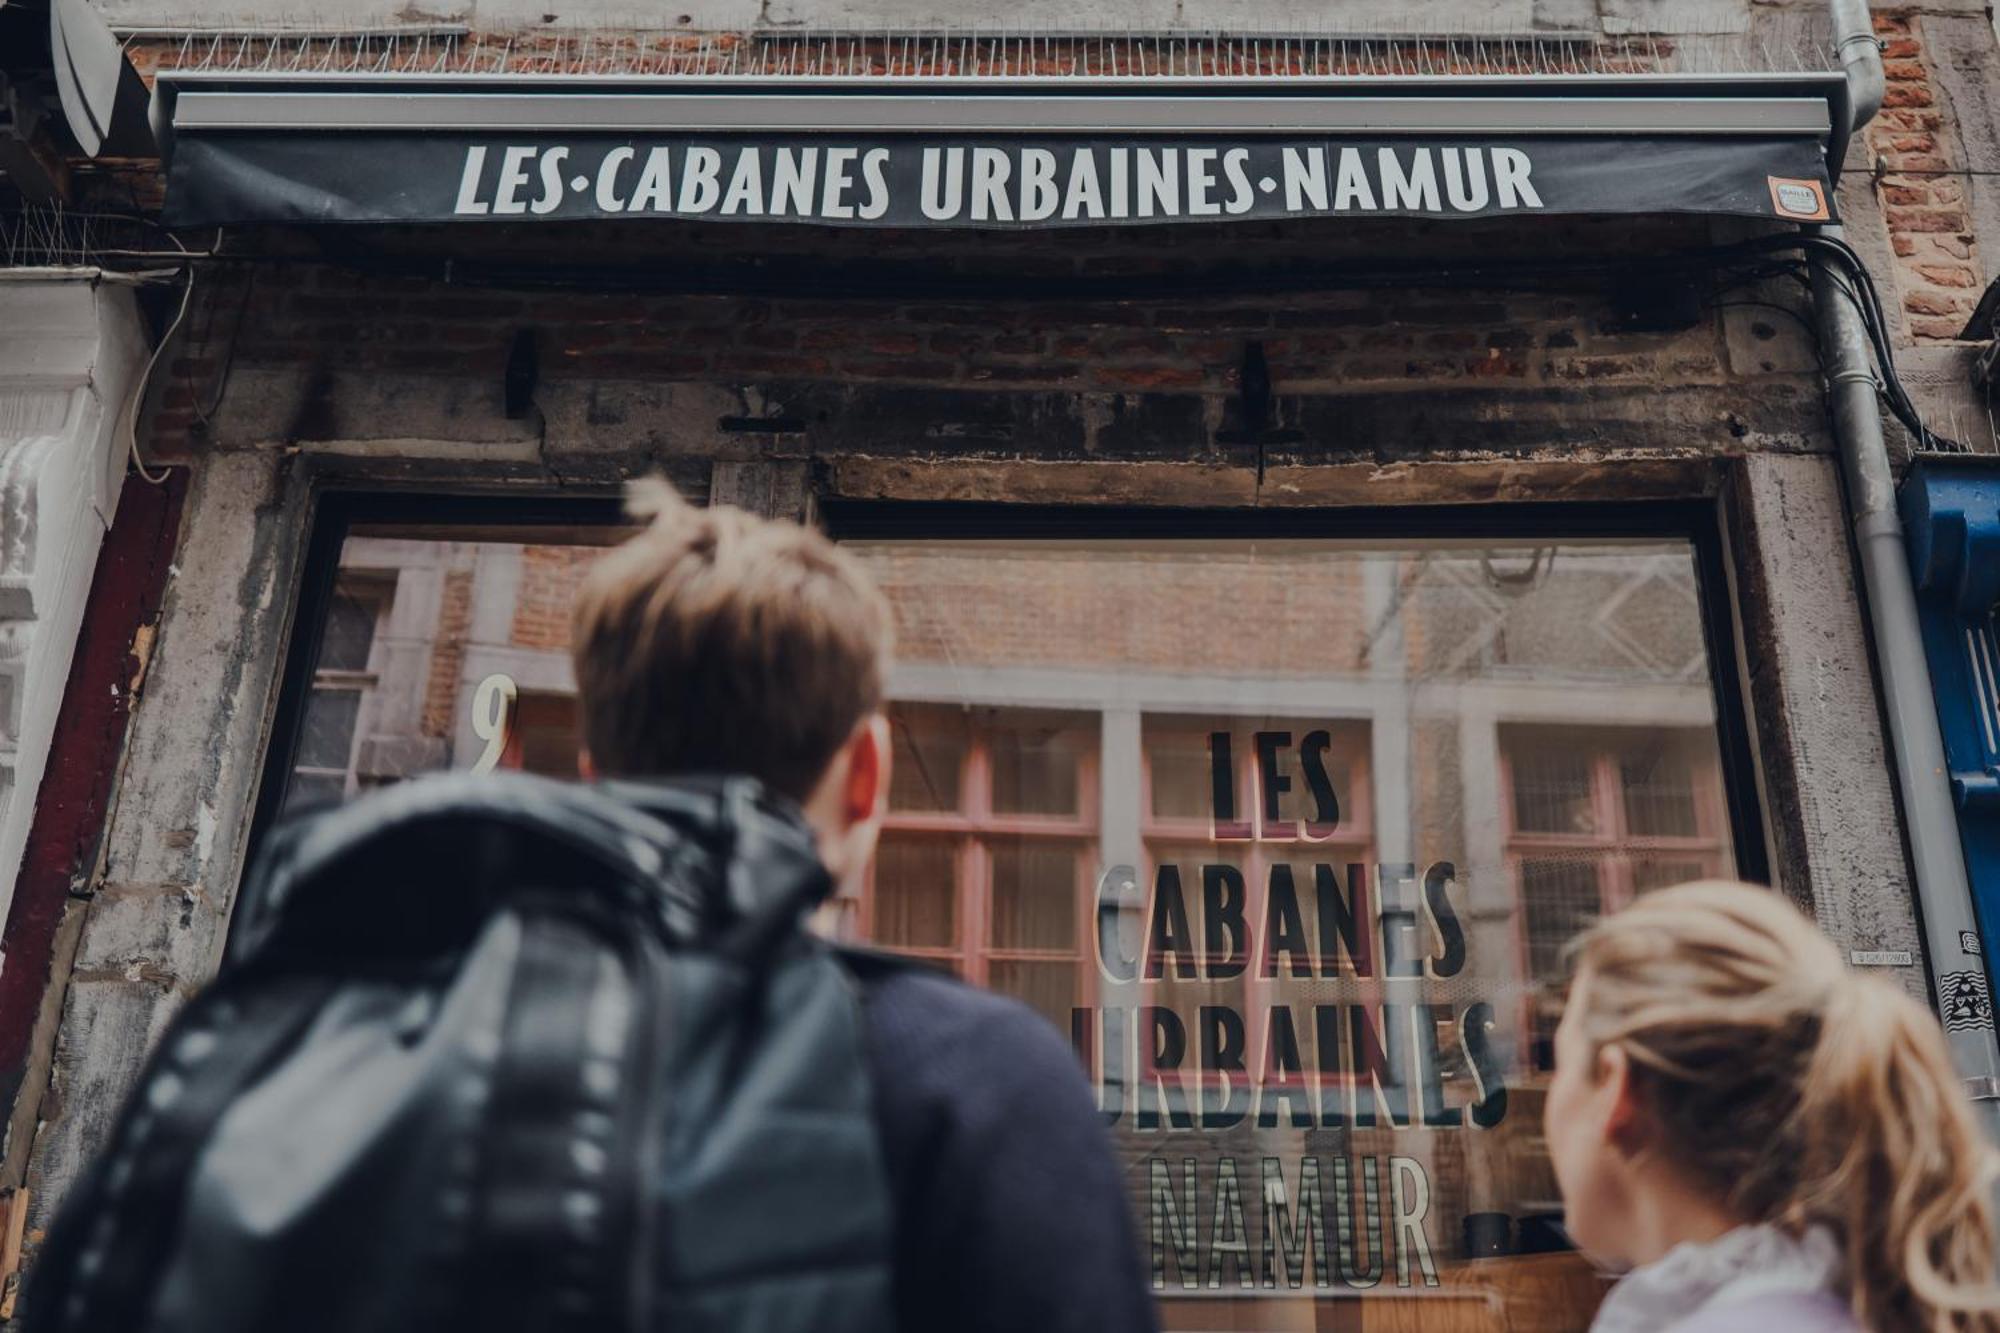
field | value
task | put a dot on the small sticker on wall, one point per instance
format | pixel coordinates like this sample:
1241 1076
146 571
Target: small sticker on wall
1801 200
1968 942
1882 958
1963 1000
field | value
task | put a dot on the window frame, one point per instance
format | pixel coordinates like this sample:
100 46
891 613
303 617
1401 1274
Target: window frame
970 829
1609 846
380 593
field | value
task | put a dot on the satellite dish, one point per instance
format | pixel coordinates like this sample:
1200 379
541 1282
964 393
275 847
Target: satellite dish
88 64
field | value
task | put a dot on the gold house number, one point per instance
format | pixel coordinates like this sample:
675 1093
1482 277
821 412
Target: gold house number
492 717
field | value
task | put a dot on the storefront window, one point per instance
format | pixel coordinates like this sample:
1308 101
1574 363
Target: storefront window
1298 857
1285 838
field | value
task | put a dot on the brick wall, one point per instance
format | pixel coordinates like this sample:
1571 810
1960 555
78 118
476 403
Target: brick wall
319 322
1922 188
549 579
448 654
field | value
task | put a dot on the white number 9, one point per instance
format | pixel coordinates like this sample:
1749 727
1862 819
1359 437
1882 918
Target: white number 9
492 710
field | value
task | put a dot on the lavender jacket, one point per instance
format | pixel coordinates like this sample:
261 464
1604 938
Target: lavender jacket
1780 1312
1755 1279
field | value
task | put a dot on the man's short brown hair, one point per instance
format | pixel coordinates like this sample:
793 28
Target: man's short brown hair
719 641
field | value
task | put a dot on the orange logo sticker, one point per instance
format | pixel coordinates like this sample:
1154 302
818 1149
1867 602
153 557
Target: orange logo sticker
1800 199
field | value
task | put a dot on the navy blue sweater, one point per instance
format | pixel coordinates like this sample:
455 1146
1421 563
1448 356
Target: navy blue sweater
1009 1212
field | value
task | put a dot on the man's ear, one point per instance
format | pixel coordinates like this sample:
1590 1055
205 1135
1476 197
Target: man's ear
867 786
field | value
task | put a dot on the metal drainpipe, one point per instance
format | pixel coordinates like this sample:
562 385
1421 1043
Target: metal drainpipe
1944 896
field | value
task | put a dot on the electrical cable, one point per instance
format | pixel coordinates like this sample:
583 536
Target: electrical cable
1857 284
203 414
138 396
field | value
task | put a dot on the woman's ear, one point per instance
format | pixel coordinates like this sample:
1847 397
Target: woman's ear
1625 1125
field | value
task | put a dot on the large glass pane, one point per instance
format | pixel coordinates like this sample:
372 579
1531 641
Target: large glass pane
1341 806
1559 897
350 626
1034 894
928 760
1047 988
916 893
1659 782
328 737
1288 834
1036 766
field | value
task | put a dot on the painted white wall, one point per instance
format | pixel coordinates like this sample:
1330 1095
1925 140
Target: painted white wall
71 348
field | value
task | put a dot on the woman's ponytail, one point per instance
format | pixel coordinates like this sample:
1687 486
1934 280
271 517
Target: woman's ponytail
1894 1161
1803 1094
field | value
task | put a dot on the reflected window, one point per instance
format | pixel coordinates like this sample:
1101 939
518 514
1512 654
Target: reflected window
987 842
1655 818
326 762
1289 837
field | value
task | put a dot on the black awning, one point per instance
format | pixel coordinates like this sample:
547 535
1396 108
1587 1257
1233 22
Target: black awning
1019 155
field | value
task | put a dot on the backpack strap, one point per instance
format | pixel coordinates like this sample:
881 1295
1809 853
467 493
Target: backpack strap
557 1203
102 1273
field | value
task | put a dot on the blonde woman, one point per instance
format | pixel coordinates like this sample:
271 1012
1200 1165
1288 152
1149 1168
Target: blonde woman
1770 1141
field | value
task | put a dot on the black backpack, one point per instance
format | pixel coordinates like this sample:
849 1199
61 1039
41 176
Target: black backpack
505 1053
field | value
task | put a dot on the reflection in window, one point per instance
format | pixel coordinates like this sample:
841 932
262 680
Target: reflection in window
1559 897
350 626
928 758
916 901
982 863
1035 888
1520 737
324 765
328 739
1177 764
1035 769
1535 717
1656 794
1552 791
416 621
1659 793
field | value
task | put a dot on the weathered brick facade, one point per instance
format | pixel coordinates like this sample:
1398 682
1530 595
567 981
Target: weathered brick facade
454 621
1922 185
797 369
1178 360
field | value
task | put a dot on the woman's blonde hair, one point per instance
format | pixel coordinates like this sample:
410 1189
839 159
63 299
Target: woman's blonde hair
1800 1093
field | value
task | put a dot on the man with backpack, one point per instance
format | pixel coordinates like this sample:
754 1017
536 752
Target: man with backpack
506 1053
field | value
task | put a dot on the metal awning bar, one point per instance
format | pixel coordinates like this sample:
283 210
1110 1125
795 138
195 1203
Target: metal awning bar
502 111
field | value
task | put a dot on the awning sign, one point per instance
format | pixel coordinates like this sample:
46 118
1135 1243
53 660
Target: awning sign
988 182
